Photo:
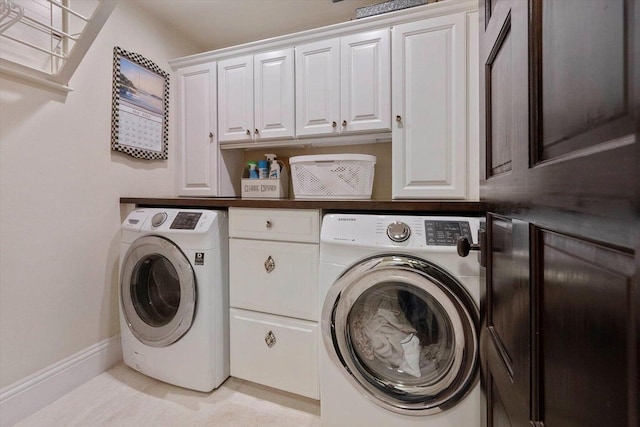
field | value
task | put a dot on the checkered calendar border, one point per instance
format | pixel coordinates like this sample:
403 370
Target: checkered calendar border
139 153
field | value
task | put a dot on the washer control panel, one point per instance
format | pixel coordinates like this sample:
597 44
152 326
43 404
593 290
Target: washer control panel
446 233
398 231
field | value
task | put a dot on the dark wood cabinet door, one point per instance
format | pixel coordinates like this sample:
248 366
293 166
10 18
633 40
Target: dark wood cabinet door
560 91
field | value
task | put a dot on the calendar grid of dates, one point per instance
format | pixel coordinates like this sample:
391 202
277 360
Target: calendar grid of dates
140 129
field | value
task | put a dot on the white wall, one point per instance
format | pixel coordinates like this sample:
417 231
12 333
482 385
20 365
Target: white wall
60 215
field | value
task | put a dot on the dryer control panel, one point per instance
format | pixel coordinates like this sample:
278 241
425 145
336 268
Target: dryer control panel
170 220
186 221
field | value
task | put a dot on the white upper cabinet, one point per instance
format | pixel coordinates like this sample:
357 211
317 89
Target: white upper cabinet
235 99
273 89
318 87
433 105
343 84
255 97
202 169
365 76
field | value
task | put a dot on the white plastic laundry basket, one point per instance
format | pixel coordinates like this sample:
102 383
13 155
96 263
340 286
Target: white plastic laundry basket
332 176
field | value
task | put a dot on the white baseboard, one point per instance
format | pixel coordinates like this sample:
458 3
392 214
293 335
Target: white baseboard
24 397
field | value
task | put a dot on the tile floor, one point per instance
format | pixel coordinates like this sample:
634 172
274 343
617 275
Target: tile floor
123 397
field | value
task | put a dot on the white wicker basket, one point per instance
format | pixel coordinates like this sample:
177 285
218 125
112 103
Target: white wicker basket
332 176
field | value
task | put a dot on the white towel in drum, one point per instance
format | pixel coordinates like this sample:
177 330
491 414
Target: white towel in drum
385 328
411 363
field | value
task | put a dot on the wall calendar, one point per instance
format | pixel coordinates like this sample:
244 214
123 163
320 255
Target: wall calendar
140 106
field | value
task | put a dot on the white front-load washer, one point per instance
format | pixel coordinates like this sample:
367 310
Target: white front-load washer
174 293
399 322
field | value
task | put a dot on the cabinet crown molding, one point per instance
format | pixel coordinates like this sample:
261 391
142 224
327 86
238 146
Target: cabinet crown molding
336 30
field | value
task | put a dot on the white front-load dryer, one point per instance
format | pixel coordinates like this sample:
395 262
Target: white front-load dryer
174 293
399 322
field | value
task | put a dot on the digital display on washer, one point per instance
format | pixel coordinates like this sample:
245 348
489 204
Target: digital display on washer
446 233
186 221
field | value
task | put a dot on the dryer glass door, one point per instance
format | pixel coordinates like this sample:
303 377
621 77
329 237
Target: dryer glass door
158 293
405 333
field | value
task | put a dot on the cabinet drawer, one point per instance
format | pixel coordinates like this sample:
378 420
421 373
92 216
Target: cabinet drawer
274 277
275 224
275 351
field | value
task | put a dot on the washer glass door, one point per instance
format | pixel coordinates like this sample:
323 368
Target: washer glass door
405 333
158 293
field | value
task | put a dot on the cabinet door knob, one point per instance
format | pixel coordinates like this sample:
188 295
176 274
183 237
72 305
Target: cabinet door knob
334 124
398 119
210 134
270 339
248 132
268 224
344 123
256 132
269 264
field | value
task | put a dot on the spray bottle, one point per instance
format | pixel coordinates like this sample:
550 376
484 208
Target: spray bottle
253 170
274 167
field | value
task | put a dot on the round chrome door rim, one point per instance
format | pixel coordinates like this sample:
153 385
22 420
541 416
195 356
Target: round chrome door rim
460 377
351 293
171 332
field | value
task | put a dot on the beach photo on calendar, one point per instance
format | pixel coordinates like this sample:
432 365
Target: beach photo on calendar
141 87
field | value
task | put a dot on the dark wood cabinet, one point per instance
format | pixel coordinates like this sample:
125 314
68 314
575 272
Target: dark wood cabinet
560 339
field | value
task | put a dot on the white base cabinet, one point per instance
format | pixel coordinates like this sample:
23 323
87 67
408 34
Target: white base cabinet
273 288
275 277
276 351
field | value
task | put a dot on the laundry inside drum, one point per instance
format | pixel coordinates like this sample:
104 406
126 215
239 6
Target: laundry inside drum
400 335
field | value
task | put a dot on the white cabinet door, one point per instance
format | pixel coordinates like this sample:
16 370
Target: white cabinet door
366 81
201 169
273 86
235 99
343 84
277 351
290 225
429 149
318 88
274 277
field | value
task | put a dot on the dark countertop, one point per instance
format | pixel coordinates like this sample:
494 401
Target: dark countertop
374 205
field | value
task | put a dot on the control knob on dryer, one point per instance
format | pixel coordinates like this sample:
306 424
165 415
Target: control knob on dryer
398 231
158 219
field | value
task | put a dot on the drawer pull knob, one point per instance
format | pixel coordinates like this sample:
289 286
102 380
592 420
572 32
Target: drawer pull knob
268 224
269 264
270 339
